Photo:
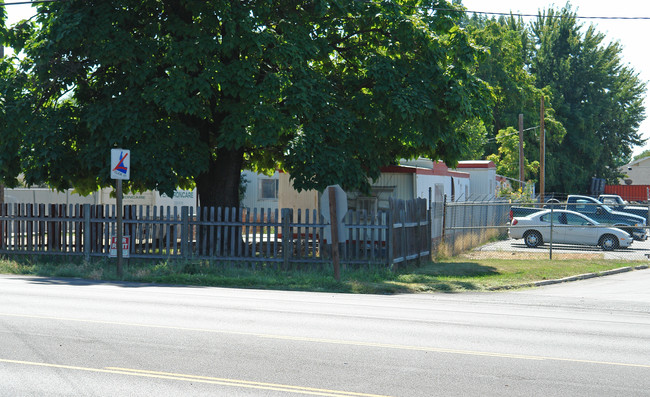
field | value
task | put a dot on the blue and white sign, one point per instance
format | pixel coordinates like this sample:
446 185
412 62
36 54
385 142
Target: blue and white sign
120 164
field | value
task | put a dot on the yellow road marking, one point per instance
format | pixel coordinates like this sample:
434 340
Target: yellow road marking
339 341
201 379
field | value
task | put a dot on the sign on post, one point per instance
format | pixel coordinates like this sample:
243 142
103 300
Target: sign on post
120 164
120 170
341 209
126 243
334 206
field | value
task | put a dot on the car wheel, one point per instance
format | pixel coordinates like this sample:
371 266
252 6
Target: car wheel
608 242
532 238
552 203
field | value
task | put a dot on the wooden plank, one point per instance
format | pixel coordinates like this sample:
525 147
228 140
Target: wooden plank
310 233
246 237
271 233
173 231
256 244
234 228
234 238
299 238
324 254
41 228
218 227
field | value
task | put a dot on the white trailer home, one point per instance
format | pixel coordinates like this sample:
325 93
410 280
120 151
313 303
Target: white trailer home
413 179
483 179
274 192
69 197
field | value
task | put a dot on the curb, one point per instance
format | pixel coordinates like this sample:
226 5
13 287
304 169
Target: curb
571 278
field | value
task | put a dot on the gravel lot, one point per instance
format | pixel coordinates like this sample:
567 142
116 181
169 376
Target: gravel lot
638 251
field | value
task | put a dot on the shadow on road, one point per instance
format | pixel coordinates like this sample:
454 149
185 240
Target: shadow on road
84 282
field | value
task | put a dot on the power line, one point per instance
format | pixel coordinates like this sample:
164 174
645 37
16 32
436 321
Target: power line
512 133
510 13
15 3
537 15
423 8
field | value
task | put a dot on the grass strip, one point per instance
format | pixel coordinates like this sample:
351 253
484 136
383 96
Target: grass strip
459 274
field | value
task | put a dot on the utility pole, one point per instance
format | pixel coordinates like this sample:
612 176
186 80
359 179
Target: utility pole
542 153
2 186
521 151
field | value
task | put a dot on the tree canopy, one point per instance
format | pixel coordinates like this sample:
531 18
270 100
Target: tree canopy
507 70
598 100
329 91
644 154
507 159
593 103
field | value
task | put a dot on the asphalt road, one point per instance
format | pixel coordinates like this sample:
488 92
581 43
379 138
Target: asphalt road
74 338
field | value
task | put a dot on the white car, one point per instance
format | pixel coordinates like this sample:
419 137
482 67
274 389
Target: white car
569 227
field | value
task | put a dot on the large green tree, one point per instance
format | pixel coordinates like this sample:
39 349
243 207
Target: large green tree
507 159
510 47
598 99
198 90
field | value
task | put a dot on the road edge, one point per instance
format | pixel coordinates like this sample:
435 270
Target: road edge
571 278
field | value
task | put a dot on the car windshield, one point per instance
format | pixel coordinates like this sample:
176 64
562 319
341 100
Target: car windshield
606 208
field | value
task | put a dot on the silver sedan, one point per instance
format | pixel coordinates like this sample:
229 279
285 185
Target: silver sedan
566 227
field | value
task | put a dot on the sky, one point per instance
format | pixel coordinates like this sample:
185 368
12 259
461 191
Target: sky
631 34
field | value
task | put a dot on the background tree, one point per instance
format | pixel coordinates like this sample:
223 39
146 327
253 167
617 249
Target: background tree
645 153
328 90
507 159
3 32
506 69
597 99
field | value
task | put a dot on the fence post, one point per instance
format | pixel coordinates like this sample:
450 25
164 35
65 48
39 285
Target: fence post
389 238
444 216
86 239
550 250
430 225
404 234
287 237
185 228
2 223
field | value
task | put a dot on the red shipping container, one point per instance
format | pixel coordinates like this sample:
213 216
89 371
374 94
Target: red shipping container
639 193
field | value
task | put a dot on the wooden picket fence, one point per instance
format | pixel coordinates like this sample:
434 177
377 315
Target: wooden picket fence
411 230
282 237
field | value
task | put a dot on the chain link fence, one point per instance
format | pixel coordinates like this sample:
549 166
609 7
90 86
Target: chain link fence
487 230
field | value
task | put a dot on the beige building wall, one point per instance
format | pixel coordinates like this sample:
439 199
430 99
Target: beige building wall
288 197
637 172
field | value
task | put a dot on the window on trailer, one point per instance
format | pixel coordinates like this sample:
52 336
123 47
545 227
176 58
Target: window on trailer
268 189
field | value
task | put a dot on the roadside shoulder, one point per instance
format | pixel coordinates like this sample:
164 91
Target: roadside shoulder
570 278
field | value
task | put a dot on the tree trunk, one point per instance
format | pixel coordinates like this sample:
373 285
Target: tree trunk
219 187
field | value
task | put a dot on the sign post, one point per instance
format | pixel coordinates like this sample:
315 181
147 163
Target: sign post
334 206
335 233
120 170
